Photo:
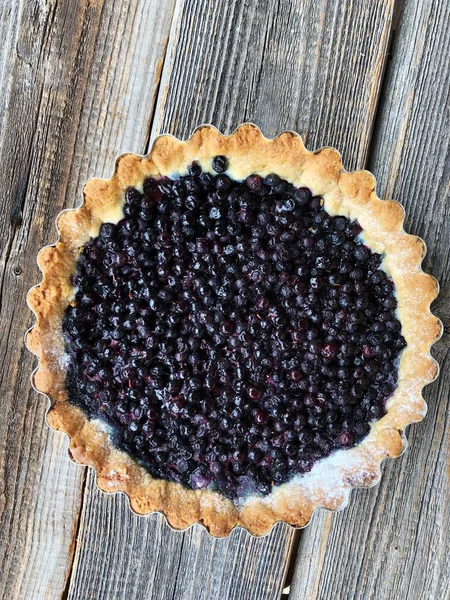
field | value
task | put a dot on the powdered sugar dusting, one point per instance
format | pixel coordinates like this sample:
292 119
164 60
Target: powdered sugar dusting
64 360
331 479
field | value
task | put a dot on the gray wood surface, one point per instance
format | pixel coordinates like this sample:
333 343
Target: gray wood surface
314 67
76 90
121 555
392 543
84 80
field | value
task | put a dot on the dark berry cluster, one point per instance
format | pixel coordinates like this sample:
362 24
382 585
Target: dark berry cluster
231 333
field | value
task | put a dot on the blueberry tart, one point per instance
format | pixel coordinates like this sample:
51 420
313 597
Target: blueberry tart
234 330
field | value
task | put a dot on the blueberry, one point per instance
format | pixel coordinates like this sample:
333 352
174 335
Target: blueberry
194 169
361 253
220 164
285 206
223 182
231 331
302 196
254 182
272 180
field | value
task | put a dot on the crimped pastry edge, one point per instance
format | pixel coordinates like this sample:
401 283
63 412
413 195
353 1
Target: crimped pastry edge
350 194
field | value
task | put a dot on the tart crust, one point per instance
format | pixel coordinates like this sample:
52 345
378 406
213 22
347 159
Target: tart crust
352 195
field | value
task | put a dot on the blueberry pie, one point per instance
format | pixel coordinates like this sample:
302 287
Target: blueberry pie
234 330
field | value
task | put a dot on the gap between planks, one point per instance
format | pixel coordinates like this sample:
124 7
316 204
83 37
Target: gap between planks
76 530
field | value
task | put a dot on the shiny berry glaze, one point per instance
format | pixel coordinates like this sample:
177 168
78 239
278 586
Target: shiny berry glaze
231 333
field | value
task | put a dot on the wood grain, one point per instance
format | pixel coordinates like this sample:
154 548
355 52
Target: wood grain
121 555
393 541
9 24
315 67
237 567
68 71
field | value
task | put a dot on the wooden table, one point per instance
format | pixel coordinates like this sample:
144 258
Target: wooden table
83 80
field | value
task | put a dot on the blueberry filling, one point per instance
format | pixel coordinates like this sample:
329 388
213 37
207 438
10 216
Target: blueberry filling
231 333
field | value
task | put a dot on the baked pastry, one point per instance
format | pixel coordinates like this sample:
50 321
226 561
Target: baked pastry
233 330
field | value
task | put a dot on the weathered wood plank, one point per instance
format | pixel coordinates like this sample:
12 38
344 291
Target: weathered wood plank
237 567
314 67
215 46
9 25
393 541
121 555
68 70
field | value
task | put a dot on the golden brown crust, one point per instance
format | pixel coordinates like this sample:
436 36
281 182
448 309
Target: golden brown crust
349 194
